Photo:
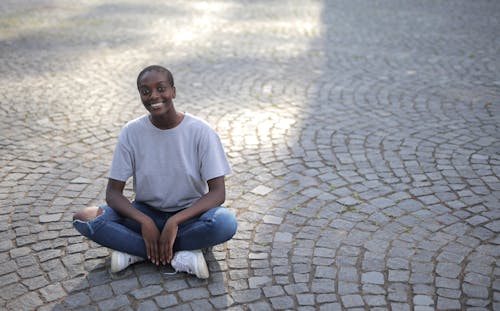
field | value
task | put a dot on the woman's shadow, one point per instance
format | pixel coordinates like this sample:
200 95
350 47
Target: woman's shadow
146 286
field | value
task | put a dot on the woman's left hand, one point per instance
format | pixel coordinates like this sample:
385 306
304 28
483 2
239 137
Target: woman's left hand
166 242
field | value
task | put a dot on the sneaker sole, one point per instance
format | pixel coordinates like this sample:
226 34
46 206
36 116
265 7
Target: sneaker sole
115 264
202 270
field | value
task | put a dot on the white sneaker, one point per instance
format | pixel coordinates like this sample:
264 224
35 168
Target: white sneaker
191 262
120 261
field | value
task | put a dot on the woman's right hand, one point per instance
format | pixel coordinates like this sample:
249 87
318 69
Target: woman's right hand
150 233
151 236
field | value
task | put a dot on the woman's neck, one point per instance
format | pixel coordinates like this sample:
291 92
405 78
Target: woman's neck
167 121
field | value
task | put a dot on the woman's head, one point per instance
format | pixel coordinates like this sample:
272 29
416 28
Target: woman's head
157 68
157 91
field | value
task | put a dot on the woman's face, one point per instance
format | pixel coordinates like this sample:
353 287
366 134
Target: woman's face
156 93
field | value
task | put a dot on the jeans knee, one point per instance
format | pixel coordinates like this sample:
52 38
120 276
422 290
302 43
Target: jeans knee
83 227
88 214
226 223
85 220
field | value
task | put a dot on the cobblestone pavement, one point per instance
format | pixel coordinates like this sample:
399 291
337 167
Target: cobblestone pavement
364 137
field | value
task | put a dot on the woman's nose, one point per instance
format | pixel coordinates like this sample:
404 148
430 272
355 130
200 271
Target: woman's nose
154 94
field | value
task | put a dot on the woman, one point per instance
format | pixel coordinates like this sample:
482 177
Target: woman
178 166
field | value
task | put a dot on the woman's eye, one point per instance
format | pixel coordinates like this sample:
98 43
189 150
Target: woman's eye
145 91
161 89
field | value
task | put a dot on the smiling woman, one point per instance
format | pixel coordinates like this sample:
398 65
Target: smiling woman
157 90
178 164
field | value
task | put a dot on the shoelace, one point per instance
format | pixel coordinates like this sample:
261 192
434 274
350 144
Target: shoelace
170 273
183 267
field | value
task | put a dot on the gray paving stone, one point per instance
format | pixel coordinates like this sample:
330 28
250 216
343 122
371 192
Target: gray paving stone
398 276
423 289
475 291
322 298
373 278
261 305
152 290
50 218
345 288
114 303
493 226
348 274
374 300
18 252
75 284
350 301
331 307
294 289
305 299
261 190
255 282
30 271
77 300
447 283
273 291
147 305
52 292
477 279
482 303
325 272
449 270
270 219
221 302
165 301
8 267
101 292
398 292
322 286
150 279
124 286
447 304
423 300
282 303
29 301
400 306
246 296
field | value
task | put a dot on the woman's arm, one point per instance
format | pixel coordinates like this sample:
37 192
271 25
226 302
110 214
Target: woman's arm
215 196
117 201
150 233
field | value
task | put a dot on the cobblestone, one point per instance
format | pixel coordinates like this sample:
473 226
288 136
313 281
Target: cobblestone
363 139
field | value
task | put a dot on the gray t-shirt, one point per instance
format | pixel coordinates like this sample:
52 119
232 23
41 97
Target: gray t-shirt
170 167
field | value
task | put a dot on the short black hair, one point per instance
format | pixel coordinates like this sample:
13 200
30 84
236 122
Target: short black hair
159 68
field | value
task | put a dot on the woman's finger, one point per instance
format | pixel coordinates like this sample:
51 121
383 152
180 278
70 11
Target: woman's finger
163 251
154 253
169 252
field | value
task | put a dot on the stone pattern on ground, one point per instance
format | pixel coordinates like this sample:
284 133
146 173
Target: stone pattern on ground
364 139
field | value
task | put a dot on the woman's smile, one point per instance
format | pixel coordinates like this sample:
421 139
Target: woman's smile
156 105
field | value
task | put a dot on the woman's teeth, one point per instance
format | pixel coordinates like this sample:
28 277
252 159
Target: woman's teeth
157 105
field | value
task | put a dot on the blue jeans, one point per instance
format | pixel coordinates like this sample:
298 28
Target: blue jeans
111 230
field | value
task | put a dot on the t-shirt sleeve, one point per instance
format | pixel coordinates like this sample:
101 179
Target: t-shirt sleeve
122 164
213 159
